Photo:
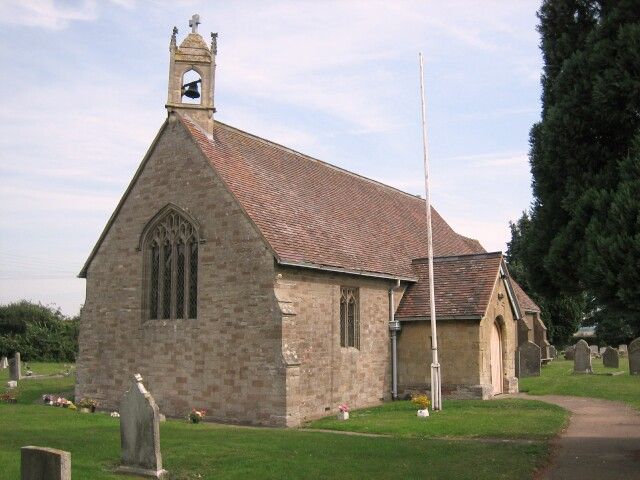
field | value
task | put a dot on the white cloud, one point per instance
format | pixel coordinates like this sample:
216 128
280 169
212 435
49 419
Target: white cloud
47 14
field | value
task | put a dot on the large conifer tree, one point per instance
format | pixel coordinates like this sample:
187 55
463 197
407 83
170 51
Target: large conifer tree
584 236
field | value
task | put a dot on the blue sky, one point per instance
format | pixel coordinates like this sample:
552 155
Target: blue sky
85 83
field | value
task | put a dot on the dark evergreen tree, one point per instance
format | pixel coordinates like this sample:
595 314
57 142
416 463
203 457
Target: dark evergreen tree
584 237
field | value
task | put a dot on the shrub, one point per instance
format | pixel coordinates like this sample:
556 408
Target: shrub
421 401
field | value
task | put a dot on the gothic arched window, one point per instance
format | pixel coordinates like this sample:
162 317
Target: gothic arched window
349 318
171 250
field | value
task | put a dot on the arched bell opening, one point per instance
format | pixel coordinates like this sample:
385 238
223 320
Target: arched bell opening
191 87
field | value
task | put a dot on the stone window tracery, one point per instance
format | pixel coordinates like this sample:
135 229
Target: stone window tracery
349 317
172 255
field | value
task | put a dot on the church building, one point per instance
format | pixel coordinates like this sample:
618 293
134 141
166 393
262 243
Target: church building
267 287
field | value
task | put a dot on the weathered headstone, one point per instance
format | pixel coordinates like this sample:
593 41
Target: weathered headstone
594 350
622 350
528 360
582 358
569 352
634 357
602 350
15 372
553 353
610 358
4 363
38 463
140 432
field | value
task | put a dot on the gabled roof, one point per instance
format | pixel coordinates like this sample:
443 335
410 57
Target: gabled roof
314 214
463 287
524 300
473 244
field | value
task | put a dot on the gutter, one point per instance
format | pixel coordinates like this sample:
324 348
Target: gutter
394 328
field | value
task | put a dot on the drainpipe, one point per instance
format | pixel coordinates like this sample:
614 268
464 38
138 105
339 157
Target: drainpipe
394 328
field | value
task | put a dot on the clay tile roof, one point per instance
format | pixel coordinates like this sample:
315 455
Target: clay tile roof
523 299
473 244
316 214
463 286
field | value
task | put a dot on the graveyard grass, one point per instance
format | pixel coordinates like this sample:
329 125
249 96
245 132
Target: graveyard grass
217 451
557 378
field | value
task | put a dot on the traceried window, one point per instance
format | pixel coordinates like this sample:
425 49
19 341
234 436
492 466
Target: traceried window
349 317
172 254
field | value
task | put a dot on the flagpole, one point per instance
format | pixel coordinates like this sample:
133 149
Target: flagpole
436 386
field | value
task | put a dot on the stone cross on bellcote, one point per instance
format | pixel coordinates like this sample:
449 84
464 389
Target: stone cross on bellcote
194 22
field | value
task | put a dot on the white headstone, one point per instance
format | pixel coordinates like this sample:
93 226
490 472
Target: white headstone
4 363
140 432
582 358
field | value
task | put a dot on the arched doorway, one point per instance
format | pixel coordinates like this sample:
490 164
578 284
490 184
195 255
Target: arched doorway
496 358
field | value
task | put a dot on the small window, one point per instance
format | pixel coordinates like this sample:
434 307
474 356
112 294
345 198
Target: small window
349 317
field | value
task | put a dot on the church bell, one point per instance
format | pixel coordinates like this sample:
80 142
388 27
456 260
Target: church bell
191 89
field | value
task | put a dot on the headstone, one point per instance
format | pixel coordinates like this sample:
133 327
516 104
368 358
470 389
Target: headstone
610 358
4 363
14 367
602 350
582 358
594 350
634 357
38 463
622 350
529 356
140 432
553 352
569 352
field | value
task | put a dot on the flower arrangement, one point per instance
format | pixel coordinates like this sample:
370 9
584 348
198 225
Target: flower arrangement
421 401
88 404
197 415
343 407
115 415
8 397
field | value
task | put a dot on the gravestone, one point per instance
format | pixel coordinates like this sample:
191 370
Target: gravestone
602 350
622 350
582 358
38 463
528 356
569 352
610 358
553 353
140 432
634 357
4 363
594 350
14 367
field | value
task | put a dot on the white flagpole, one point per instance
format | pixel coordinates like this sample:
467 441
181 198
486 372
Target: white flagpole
436 389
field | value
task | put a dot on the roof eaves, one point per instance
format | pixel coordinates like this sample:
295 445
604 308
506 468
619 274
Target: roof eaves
328 268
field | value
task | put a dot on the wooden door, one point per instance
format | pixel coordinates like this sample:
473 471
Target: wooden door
496 359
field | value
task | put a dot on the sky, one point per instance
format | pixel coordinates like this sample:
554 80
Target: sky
85 84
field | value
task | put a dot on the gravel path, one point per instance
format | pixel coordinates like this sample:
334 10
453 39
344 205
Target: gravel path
602 441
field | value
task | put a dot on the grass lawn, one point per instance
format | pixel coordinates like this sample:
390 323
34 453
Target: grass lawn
217 451
557 378
508 418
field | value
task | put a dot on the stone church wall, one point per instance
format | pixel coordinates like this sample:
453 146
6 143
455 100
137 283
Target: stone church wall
458 355
228 360
499 308
329 374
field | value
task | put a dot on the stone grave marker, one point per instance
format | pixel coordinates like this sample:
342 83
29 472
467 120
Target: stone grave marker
38 463
529 356
582 358
15 367
622 350
140 432
594 350
569 352
553 353
610 358
602 350
634 357
4 363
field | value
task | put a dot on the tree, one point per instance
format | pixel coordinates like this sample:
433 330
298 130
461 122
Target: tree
584 235
561 313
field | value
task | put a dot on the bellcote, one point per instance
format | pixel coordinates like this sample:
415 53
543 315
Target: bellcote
192 67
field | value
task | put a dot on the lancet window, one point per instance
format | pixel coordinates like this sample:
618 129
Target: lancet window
349 317
172 252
